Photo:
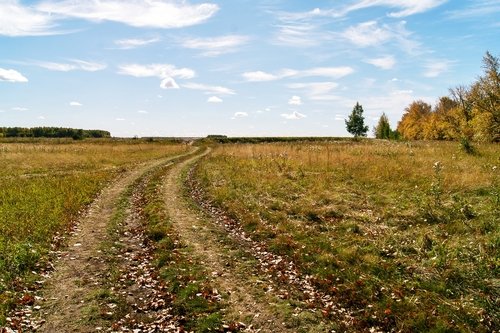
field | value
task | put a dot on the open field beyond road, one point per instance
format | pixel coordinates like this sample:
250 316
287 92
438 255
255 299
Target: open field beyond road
404 235
330 236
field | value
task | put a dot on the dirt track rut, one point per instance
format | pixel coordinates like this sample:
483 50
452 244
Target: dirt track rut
246 300
84 268
81 268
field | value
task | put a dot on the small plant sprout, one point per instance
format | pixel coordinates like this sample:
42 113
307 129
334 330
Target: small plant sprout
436 185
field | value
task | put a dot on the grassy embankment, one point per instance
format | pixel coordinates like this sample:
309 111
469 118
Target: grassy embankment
405 235
45 185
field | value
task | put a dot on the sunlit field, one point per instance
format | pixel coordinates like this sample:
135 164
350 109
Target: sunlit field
45 185
404 235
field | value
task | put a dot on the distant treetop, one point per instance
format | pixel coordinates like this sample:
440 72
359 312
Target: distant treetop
52 132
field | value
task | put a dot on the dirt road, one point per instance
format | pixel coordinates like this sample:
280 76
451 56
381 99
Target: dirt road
78 296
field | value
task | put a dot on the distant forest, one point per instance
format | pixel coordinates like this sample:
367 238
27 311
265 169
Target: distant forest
51 132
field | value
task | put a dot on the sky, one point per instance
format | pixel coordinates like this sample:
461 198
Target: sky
234 67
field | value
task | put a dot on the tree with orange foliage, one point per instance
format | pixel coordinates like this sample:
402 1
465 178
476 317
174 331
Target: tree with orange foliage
411 126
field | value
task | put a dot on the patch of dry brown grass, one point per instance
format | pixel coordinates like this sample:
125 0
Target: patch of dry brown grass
408 245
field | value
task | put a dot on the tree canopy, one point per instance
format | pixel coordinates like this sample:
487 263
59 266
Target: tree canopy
355 124
383 129
470 112
51 132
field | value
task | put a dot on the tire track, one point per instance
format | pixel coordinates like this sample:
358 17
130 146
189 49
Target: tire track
245 303
82 268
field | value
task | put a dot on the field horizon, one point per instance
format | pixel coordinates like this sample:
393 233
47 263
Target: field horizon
371 234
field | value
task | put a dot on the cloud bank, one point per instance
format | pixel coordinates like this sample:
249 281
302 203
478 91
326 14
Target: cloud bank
150 14
11 75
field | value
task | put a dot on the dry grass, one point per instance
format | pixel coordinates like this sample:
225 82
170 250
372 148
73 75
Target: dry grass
44 186
404 242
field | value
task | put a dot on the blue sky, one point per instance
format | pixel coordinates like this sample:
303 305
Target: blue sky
234 67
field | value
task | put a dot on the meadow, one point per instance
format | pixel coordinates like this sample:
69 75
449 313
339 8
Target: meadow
44 186
405 235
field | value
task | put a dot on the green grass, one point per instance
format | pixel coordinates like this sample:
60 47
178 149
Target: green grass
189 291
187 280
404 242
44 186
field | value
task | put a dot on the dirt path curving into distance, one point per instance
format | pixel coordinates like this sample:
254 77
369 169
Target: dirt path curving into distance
70 294
82 268
231 270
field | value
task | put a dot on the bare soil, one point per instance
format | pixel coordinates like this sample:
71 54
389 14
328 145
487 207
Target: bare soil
243 272
82 268
233 272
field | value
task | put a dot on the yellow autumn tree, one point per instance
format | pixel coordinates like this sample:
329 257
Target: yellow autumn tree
469 113
411 126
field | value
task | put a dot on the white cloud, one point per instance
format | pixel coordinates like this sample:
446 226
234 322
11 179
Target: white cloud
315 88
143 111
318 91
240 115
59 67
161 71
168 83
259 76
11 75
316 12
300 34
89 66
74 103
478 8
73 65
295 100
331 72
18 20
436 68
165 72
213 90
393 102
41 117
126 44
214 99
368 34
151 13
406 7
293 116
386 62
215 45
120 119
19 108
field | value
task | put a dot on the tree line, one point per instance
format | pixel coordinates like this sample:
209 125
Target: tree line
470 113
52 132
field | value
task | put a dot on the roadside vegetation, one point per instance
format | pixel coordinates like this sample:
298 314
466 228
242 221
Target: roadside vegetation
45 185
404 235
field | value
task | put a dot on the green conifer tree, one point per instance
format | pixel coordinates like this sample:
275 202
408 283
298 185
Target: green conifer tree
383 129
356 122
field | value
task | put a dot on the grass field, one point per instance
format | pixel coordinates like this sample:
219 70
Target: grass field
405 235
45 185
